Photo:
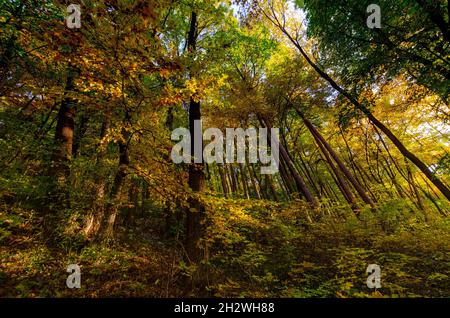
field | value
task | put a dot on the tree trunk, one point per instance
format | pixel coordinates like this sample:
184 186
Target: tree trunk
223 179
112 208
244 181
272 189
254 182
258 181
95 216
64 133
195 214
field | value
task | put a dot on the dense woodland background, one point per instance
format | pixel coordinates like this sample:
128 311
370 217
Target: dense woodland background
86 177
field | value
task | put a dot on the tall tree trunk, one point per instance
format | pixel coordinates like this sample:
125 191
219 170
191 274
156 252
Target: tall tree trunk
112 208
59 169
133 197
64 134
258 182
223 180
233 180
244 181
80 131
414 187
302 166
271 186
254 182
95 216
195 214
286 177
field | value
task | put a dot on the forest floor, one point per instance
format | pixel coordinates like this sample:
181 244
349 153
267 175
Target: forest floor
252 254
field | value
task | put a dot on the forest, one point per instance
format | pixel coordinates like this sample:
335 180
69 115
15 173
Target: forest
91 93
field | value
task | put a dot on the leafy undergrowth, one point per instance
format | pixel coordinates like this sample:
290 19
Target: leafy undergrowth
134 267
256 249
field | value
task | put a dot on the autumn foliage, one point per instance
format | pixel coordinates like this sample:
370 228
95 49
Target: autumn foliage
86 175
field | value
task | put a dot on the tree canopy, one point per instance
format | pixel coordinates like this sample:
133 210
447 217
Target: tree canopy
87 119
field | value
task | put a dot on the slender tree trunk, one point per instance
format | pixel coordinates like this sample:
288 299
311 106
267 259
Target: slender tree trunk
112 208
95 216
223 179
258 182
59 169
272 187
79 134
286 177
244 181
414 187
64 134
283 187
254 182
392 176
302 166
233 179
